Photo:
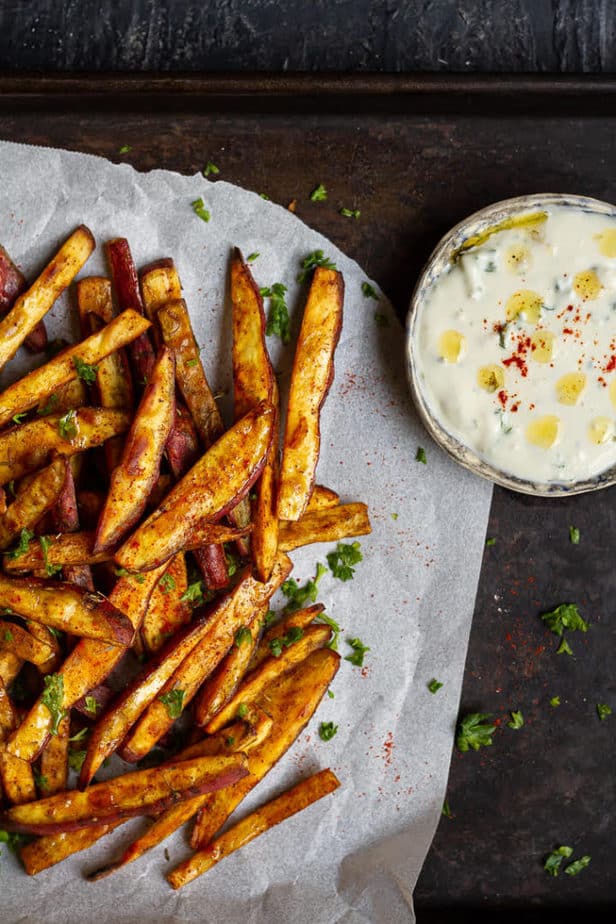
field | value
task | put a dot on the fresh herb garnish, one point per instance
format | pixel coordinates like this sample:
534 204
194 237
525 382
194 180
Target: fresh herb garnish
265 196
350 213
474 732
174 701
52 697
331 694
369 291
13 840
564 647
294 634
490 541
434 685
577 866
341 561
22 546
603 711
327 730
420 455
8 635
516 721
394 516
243 636
574 535
76 759
66 425
210 169
233 561
85 371
90 705
297 596
198 207
50 570
554 859
40 779
381 319
252 257
555 701
17 418
446 811
48 407
333 625
167 583
81 734
125 149
190 363
269 618
318 194
122 572
314 259
278 322
242 711
359 650
565 617
193 594
11 487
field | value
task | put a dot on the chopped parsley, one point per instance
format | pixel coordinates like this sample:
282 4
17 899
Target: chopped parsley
555 701
446 811
11 487
327 730
297 596
318 194
516 720
278 322
242 711
369 291
191 363
269 618
394 516
198 207
434 685
12 840
564 647
474 732
565 617
167 583
76 759
294 634
49 405
81 734
574 535
122 572
330 693
193 594
333 625
50 570
252 257
265 196
125 149
8 635
341 561
40 779
174 702
490 541
243 636
603 711
314 259
52 697
22 546
90 705
66 425
230 741
359 650
233 561
85 371
350 213
17 418
577 866
210 169
554 860
420 455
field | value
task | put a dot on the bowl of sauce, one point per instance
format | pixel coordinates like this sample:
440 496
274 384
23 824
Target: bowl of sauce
511 344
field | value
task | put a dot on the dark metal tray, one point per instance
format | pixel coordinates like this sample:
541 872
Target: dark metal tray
416 154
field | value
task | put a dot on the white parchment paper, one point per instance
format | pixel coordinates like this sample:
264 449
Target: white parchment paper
354 856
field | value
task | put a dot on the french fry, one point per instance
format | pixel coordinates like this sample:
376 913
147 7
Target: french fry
31 503
291 702
263 819
8 716
46 637
160 284
221 685
46 851
31 307
299 619
139 793
128 295
201 495
44 381
238 609
312 375
326 525
167 611
29 446
66 521
321 498
251 687
54 760
67 608
17 779
67 397
12 284
21 643
178 336
137 473
10 666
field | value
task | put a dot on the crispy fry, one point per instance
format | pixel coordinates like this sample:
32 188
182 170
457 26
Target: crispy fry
264 537
167 611
326 525
321 498
128 295
291 701
71 395
313 373
88 664
65 517
298 619
46 851
263 819
236 610
139 793
250 689
45 380
201 494
29 446
21 643
12 284
31 307
17 779
10 666
67 608
221 685
54 760
137 473
8 716
160 284
46 636
30 504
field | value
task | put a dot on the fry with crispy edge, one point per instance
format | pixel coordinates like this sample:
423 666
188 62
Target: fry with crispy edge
65 518
160 284
223 682
28 447
253 684
46 636
238 609
12 284
10 666
54 761
32 306
36 499
263 819
167 611
202 494
326 525
291 701
141 792
14 638
298 619
88 664
44 381
128 295
139 468
312 375
17 778
67 608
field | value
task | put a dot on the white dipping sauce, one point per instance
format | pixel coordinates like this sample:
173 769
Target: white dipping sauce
516 347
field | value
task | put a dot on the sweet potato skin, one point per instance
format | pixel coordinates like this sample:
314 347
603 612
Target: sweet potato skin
12 284
33 502
329 524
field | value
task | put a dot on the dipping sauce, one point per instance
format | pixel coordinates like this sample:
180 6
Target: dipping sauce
516 345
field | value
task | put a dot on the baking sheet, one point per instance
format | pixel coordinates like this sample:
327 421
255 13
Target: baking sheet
354 856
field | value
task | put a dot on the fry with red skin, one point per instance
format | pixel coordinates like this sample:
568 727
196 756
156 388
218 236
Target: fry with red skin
258 822
12 284
160 284
66 521
128 295
54 760
139 468
326 525
44 381
88 664
33 501
201 494
31 306
167 611
141 792
237 609
21 643
291 701
311 378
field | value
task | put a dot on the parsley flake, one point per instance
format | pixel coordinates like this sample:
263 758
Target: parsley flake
193 594
243 636
167 583
314 259
420 455
564 647
40 779
318 194
434 685
297 596
17 418
491 541
174 701
474 732
555 701
8 635
76 759
22 546
252 257
577 866
242 711
327 730
341 561
331 694
516 721
90 705
66 425
350 213
198 207
276 645
52 697
359 650
210 169
574 535
554 860
48 407
333 625
446 811
50 570
369 291
125 149
603 711
85 371
278 322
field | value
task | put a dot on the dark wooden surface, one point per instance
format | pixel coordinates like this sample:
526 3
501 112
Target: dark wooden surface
337 35
413 175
